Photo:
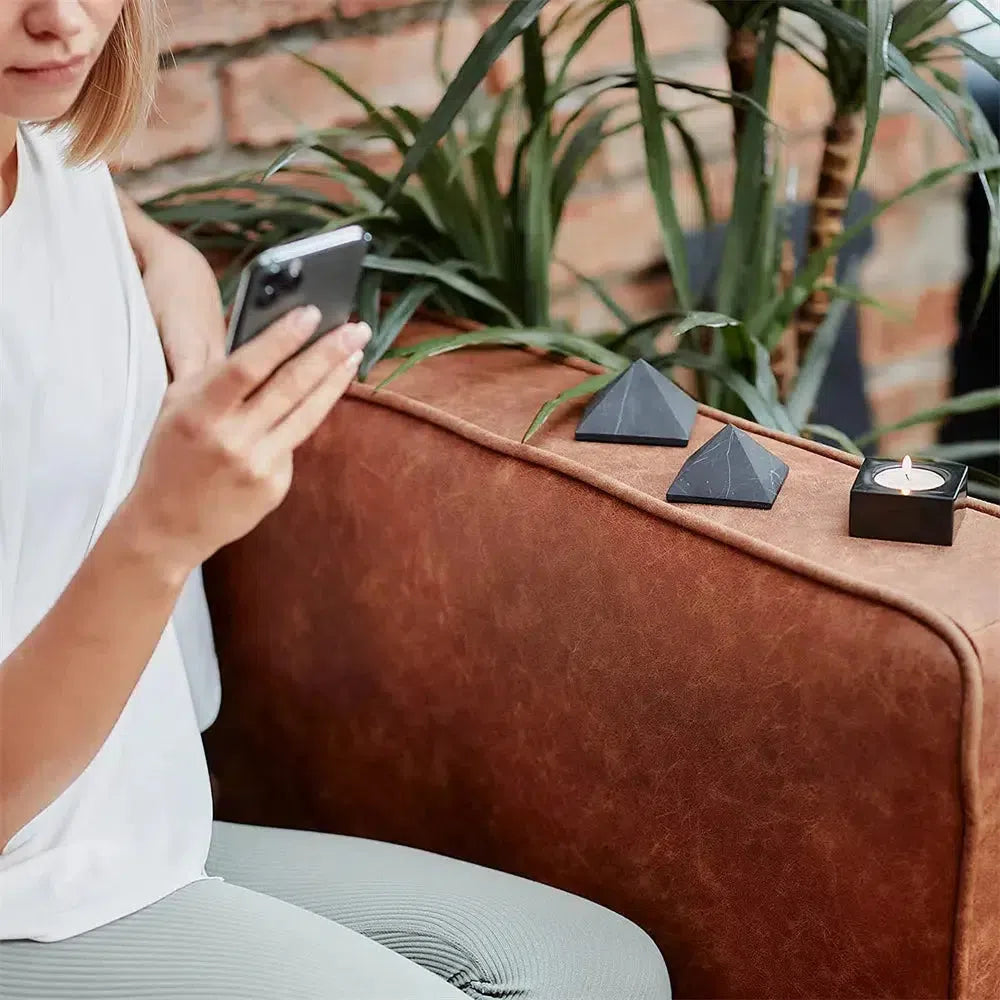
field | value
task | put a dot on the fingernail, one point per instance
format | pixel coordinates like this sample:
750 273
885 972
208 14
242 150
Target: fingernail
307 319
356 335
354 361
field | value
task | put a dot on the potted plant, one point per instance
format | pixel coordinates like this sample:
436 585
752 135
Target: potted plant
453 234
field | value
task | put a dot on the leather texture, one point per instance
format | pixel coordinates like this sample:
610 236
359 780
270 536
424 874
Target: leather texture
772 746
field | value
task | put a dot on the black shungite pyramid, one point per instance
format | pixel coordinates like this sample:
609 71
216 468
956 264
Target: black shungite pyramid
641 406
730 470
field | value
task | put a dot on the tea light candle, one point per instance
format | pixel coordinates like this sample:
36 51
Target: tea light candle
898 502
908 479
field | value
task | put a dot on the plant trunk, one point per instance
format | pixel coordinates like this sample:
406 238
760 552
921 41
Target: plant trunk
741 54
840 156
785 356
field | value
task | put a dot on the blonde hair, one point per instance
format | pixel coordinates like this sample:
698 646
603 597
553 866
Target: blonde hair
118 93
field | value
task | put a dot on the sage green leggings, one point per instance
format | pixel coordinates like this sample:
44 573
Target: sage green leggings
305 916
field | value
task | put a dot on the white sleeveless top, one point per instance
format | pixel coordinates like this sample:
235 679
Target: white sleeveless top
82 377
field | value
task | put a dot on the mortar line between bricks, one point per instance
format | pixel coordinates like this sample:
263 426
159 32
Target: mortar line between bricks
373 23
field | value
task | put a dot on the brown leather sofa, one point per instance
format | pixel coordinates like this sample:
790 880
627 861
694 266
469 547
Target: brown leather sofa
773 746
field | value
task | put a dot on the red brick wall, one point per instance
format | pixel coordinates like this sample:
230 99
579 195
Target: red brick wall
232 95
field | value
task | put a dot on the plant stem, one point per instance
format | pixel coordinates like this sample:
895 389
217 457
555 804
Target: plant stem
741 54
842 141
785 356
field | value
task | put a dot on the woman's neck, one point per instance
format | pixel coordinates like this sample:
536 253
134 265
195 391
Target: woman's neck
8 162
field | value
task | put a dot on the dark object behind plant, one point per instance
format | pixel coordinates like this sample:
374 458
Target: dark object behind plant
841 401
976 354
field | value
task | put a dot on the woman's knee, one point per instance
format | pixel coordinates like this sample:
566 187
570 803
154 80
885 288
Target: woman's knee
554 946
620 955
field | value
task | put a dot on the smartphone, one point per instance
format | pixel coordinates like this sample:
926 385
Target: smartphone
321 270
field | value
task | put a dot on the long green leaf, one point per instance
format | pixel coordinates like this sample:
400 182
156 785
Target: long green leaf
450 200
764 380
584 388
814 365
741 233
658 166
961 451
855 295
989 63
518 16
566 16
983 142
419 268
495 224
355 95
853 33
697 163
644 332
533 61
493 221
369 303
549 340
602 294
762 275
983 491
228 181
981 7
241 213
396 317
970 402
594 86
407 206
698 320
793 40
369 297
879 27
536 227
915 17
765 412
825 430
579 151
606 10
781 309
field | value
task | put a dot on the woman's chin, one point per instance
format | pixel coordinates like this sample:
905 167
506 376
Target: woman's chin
47 105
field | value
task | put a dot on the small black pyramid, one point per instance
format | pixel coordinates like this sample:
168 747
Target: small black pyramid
730 470
641 406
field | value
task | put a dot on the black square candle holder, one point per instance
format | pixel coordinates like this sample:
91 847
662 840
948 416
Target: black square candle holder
896 514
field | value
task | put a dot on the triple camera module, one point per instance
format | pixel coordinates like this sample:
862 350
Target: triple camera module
278 280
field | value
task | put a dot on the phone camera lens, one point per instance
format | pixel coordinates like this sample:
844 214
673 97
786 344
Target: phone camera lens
292 276
267 294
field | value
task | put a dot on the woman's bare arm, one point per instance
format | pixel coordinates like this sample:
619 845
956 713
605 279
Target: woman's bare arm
219 459
182 291
63 688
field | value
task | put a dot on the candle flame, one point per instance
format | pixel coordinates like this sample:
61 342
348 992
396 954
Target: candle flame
907 465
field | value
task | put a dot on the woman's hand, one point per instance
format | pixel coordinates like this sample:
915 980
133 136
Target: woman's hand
219 458
184 297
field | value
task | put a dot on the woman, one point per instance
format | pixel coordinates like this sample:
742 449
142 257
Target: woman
114 488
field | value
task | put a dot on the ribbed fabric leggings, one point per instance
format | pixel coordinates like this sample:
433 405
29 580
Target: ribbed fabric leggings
305 916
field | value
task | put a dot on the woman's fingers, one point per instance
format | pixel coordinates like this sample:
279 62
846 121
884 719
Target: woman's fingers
288 387
303 420
251 365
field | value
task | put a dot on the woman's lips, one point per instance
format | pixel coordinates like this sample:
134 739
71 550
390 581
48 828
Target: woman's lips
51 74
